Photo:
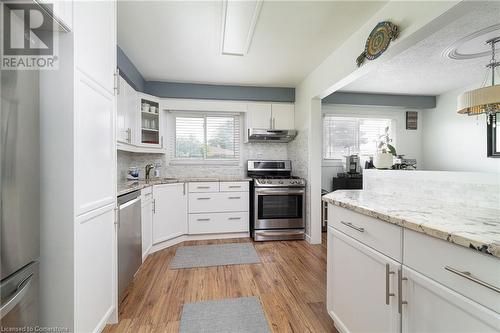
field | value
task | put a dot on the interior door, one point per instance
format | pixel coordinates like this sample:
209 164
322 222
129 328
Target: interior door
361 286
432 307
170 212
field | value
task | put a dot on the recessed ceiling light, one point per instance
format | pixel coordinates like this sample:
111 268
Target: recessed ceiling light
474 45
239 19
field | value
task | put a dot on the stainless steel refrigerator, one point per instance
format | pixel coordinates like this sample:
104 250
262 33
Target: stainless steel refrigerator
20 198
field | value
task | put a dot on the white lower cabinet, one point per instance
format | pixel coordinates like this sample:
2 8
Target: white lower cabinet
146 223
361 288
432 307
218 222
369 292
170 211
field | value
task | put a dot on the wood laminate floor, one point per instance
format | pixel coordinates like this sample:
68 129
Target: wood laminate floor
290 282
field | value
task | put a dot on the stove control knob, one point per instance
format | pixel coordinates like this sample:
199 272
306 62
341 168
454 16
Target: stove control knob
281 182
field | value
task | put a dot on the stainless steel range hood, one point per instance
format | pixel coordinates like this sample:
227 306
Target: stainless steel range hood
270 135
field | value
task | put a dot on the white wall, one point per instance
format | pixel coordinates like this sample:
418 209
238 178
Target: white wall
417 20
407 142
455 142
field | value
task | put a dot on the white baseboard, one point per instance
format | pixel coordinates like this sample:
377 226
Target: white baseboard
337 323
106 319
308 238
184 238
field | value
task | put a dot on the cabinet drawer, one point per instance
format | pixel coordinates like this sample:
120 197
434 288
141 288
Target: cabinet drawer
379 235
218 202
147 193
443 262
234 186
218 223
203 187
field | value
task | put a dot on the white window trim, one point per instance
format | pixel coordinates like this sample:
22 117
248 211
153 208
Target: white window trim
394 128
172 160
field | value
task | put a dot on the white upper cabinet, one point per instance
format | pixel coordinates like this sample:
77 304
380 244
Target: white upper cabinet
170 211
95 47
127 116
259 115
150 129
283 116
279 116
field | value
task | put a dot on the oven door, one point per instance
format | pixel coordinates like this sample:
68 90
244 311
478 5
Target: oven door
279 208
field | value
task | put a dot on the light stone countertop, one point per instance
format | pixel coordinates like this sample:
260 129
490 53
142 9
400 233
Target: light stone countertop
470 226
130 186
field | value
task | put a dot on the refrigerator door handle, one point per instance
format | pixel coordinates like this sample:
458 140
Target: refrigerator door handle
17 296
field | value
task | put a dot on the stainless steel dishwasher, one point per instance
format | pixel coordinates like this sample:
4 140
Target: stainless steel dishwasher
129 239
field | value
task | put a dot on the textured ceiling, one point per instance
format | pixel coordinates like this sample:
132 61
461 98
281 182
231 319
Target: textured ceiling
180 40
424 70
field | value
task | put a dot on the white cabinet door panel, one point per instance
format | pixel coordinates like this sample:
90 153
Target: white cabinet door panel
434 308
94 242
356 287
259 115
283 116
147 226
213 223
170 217
95 42
94 146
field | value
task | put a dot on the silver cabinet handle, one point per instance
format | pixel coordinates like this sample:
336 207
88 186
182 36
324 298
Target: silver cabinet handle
202 198
183 188
129 135
350 225
274 123
388 293
469 276
234 218
234 186
18 295
154 206
234 197
400 291
202 187
202 219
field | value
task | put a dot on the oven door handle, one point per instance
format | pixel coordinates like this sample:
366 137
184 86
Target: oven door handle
268 191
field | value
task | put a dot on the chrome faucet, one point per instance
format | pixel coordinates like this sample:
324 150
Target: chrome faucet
149 167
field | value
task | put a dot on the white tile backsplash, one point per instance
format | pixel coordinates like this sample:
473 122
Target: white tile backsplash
271 151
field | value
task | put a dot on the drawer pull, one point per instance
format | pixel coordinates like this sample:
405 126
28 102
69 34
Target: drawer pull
202 187
234 197
388 293
202 198
234 186
400 291
202 219
234 218
470 277
350 225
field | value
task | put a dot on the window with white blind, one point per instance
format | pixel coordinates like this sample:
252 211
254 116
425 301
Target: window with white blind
348 135
201 136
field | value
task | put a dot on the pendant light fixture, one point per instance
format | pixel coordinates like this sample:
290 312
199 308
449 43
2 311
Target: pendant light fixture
485 99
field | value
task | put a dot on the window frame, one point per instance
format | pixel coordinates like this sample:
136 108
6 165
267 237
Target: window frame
393 134
174 160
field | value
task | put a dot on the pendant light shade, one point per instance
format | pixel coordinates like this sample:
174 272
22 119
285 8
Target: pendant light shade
482 100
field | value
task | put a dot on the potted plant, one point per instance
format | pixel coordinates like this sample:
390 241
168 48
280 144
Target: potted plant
383 159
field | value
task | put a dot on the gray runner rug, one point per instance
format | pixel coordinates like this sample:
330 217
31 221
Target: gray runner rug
214 255
242 315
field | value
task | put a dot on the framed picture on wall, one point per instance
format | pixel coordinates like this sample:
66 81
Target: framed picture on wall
493 135
411 120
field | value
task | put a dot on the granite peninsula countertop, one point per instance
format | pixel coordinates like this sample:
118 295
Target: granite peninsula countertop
130 186
471 226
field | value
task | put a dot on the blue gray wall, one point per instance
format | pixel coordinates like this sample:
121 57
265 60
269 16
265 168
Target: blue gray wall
408 101
200 91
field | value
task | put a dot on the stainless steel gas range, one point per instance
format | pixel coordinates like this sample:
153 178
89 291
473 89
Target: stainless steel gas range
277 201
